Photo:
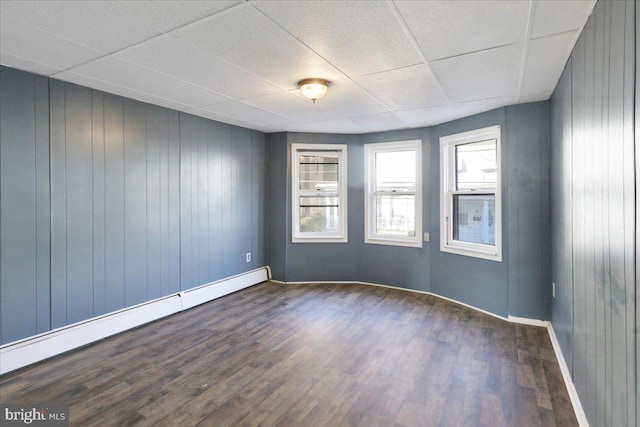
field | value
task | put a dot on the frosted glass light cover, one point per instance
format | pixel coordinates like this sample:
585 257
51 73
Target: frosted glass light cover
313 89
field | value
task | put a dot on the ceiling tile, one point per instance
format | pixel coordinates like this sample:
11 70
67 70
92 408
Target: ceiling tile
80 79
344 32
345 98
248 39
113 70
226 119
557 16
28 43
419 117
379 122
465 109
404 89
241 60
481 75
15 61
289 105
248 113
546 58
535 96
436 115
444 29
327 126
168 15
178 59
90 23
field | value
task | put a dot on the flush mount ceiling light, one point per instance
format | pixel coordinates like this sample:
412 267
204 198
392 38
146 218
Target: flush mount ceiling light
313 89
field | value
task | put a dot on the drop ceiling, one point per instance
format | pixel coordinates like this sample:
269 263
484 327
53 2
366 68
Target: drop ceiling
392 64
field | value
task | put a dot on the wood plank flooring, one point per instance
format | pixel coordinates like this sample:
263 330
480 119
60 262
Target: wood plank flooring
309 355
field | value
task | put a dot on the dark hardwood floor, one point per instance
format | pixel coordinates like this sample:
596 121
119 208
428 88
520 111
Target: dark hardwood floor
309 355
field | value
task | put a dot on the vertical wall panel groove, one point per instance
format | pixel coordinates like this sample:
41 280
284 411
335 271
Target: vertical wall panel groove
58 205
216 218
114 202
24 202
600 75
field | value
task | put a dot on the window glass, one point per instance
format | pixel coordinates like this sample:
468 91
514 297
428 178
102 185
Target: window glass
395 177
396 214
396 170
474 218
319 193
476 165
393 194
470 194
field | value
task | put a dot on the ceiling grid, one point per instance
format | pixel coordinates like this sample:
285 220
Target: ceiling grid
392 64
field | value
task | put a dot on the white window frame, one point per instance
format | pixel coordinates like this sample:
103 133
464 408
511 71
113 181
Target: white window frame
341 236
370 151
448 190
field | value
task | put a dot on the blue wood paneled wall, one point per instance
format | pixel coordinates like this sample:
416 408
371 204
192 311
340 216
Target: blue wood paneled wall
520 285
108 202
593 215
24 205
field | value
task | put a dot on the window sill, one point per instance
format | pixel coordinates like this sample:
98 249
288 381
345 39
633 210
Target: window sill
393 242
319 240
474 253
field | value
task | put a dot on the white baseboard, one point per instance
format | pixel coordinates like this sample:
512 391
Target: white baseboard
398 288
528 321
568 381
30 350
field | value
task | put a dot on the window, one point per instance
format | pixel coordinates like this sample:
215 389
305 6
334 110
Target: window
393 193
319 192
470 194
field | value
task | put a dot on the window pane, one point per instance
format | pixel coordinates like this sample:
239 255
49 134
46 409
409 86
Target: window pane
319 201
476 165
473 218
395 215
318 173
319 218
396 171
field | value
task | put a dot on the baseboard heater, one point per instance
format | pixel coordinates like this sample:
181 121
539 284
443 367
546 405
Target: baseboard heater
18 354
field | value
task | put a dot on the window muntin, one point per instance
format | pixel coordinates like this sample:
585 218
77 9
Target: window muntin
393 193
319 193
471 194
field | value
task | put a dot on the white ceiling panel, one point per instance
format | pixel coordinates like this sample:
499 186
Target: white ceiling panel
245 37
93 24
248 113
545 61
391 64
328 126
406 88
289 105
168 15
119 90
444 29
227 119
183 61
487 74
429 116
15 61
557 16
345 98
465 109
535 96
379 122
57 53
344 32
113 70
